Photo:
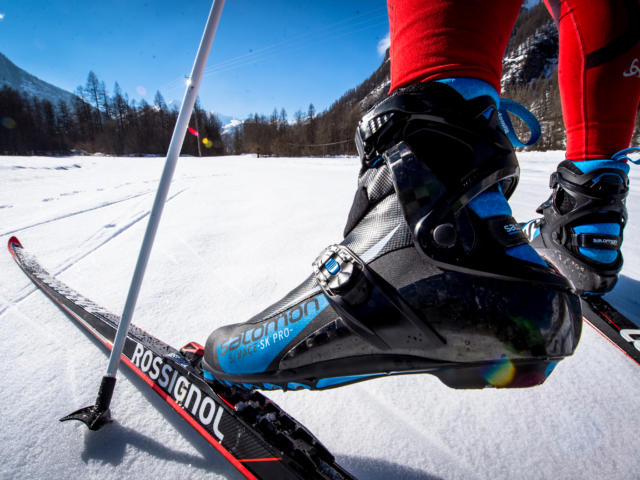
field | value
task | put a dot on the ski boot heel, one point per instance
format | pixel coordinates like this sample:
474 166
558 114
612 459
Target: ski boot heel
503 373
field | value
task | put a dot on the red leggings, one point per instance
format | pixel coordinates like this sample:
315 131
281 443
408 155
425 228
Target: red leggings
599 61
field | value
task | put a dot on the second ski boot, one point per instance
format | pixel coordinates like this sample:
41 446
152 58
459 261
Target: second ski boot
433 275
583 220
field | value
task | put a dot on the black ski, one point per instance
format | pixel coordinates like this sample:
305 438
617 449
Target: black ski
614 326
250 431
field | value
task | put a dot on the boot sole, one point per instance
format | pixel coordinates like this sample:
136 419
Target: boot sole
502 373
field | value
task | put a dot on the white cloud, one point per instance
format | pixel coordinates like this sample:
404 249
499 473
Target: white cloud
383 44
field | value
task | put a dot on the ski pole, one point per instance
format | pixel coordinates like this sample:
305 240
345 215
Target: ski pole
97 415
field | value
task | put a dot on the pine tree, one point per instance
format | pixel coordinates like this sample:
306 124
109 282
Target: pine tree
93 97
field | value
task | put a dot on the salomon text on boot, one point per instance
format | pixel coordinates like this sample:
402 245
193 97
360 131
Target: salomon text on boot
433 274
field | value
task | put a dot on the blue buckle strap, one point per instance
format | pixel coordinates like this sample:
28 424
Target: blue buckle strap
623 155
366 302
509 106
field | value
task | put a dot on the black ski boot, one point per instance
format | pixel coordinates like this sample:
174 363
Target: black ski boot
433 274
581 231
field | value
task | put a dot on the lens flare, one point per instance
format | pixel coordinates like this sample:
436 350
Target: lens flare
141 90
193 132
500 373
207 143
8 122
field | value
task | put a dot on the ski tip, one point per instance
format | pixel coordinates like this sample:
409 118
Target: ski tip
14 242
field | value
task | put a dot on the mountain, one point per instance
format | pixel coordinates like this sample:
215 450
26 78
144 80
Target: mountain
228 122
530 74
14 77
231 126
530 67
532 51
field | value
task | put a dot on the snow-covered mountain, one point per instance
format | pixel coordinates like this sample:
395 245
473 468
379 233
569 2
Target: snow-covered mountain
15 77
228 122
229 127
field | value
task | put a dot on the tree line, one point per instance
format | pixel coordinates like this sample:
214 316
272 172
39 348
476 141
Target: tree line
113 124
309 134
98 122
95 121
330 132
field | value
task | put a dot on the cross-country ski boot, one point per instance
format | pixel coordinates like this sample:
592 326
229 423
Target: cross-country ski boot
580 232
433 275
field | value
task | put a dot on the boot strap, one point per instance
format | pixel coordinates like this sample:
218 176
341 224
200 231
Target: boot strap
366 302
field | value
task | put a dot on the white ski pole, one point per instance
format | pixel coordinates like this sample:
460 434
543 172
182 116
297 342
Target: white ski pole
97 415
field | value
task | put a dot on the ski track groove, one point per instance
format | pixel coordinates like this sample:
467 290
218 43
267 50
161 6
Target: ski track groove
79 212
30 288
428 437
38 331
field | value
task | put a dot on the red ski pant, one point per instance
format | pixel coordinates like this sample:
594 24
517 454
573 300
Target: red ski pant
599 58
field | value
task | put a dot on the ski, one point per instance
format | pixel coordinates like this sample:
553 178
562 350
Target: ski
255 435
612 325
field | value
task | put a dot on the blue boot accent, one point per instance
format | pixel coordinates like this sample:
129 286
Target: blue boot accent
472 87
586 166
297 386
254 349
271 386
624 155
527 253
510 107
334 381
550 368
492 204
598 254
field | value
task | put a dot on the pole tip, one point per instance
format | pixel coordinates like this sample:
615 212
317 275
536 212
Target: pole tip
91 416
96 416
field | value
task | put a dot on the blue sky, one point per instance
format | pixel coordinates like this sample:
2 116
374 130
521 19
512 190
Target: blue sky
266 55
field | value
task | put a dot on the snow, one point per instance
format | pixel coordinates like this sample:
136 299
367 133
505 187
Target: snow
231 126
238 233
